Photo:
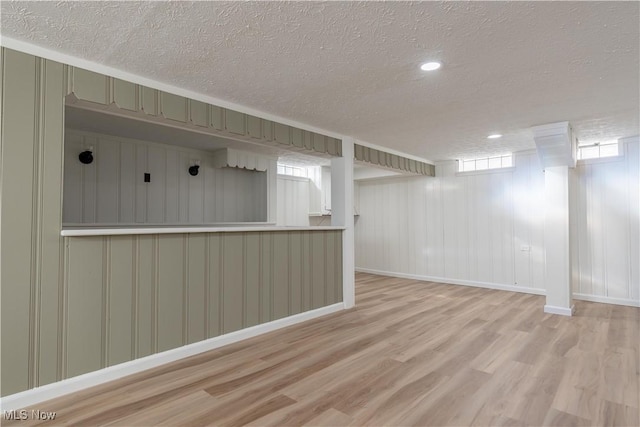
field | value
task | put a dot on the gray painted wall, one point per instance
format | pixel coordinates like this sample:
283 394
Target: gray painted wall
111 190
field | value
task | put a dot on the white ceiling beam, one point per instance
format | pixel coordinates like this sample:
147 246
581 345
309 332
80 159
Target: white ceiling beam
556 144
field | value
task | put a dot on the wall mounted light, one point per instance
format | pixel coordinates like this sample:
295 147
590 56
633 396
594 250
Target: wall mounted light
193 170
86 157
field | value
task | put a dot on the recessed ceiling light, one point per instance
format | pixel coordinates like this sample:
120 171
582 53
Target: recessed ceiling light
430 66
494 136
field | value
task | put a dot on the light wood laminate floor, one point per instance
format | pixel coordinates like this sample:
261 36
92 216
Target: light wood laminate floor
410 353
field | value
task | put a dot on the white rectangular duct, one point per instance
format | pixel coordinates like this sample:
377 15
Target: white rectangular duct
556 144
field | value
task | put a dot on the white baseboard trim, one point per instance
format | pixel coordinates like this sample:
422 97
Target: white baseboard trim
564 311
472 283
70 385
607 300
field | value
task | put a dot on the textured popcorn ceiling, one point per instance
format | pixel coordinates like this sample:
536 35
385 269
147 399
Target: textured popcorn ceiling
353 67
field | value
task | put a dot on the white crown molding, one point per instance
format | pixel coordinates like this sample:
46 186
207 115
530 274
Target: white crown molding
81 382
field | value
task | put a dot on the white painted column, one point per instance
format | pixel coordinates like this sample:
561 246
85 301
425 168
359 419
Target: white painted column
342 215
556 241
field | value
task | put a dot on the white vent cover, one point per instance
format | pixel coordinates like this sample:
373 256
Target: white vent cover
556 144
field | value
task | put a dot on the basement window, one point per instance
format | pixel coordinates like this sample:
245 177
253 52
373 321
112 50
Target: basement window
485 163
598 150
292 170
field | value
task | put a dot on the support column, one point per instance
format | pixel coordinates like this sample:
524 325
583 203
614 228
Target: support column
557 242
342 215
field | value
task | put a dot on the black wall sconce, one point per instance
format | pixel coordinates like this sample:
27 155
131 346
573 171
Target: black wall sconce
86 157
193 170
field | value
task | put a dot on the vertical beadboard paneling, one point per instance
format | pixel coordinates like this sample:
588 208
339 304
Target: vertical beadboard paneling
156 189
196 283
251 266
121 283
112 190
339 269
330 266
230 187
633 177
32 113
196 193
18 140
72 207
489 227
172 200
89 178
266 276
85 306
49 217
144 271
214 282
608 217
171 291
307 292
280 291
317 254
209 193
463 227
141 186
595 207
232 282
293 201
295 271
183 187
147 291
107 182
126 185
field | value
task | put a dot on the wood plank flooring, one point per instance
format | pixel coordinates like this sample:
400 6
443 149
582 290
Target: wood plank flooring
410 353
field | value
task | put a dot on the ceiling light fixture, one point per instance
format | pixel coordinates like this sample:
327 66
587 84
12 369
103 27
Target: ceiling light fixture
430 66
494 136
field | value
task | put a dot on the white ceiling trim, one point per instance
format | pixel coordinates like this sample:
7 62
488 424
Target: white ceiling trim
75 61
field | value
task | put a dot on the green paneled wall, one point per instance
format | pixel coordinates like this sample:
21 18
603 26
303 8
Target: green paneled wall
108 93
74 305
393 161
31 149
128 296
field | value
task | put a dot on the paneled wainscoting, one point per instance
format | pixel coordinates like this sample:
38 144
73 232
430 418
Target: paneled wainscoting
131 296
410 353
126 297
